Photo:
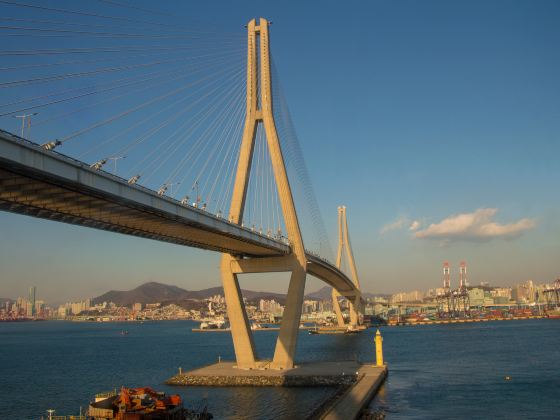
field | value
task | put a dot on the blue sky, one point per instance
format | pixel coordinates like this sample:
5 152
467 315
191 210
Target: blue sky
406 112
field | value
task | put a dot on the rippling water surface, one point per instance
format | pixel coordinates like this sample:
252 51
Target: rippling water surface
455 371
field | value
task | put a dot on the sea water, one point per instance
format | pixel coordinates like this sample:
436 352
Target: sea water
502 369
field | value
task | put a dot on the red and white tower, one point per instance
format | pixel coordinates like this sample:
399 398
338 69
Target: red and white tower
462 275
446 277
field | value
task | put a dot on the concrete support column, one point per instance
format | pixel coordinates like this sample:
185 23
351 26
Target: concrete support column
239 322
344 242
287 339
336 308
353 309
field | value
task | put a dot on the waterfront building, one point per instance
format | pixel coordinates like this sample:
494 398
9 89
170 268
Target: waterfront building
217 299
380 299
504 292
78 307
39 307
31 298
524 292
309 306
403 297
62 311
476 296
271 306
501 300
540 296
375 309
325 306
488 301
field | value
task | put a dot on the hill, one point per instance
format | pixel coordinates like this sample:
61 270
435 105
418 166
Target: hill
146 293
324 293
153 292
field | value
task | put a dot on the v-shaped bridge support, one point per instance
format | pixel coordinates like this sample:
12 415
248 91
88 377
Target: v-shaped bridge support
259 111
344 245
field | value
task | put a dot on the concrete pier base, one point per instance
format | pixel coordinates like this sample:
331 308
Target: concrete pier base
357 396
303 374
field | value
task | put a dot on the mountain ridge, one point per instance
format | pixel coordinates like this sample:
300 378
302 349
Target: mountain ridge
154 292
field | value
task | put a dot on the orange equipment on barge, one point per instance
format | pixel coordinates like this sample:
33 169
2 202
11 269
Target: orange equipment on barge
142 404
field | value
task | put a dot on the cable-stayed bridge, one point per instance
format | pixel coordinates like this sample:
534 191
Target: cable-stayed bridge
208 149
53 186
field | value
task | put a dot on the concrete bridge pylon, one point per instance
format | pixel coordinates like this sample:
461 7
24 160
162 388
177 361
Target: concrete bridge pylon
345 247
259 111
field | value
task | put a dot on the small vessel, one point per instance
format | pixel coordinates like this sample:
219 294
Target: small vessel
215 325
335 329
328 330
142 404
212 325
124 332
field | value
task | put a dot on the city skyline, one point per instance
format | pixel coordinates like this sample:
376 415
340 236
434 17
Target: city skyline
431 291
444 121
523 298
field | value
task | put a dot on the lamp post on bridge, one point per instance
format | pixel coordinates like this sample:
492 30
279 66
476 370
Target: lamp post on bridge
197 198
115 159
163 189
25 117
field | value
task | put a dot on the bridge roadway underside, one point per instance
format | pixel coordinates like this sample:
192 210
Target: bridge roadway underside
51 186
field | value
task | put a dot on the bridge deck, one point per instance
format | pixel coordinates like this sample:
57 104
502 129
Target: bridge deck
52 186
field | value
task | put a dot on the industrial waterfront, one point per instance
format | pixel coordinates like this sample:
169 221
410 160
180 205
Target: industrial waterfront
444 371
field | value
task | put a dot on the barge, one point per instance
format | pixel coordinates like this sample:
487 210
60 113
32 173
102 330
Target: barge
142 404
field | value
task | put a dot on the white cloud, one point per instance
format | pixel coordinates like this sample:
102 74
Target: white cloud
415 225
400 223
474 226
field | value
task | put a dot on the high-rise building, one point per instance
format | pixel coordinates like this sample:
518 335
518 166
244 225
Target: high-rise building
271 306
476 296
31 299
524 292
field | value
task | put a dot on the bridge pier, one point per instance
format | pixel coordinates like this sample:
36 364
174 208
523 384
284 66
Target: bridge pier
245 354
243 343
336 307
285 350
260 112
355 310
355 304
